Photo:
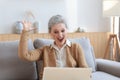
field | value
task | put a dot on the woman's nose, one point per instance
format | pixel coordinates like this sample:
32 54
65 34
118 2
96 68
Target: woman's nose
60 34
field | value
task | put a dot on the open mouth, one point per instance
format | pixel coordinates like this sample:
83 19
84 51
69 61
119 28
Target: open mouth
60 39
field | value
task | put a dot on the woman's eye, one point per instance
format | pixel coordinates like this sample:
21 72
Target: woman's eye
63 31
55 32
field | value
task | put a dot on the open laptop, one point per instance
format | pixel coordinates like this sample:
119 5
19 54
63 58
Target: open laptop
54 73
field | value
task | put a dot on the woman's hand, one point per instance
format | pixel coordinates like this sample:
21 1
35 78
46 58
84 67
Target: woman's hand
27 26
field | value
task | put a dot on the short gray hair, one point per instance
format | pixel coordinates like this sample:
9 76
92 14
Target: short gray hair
56 20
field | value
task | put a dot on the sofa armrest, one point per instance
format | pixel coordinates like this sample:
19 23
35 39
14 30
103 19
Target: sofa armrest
108 66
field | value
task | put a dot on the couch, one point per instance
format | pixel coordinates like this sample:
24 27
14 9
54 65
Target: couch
13 68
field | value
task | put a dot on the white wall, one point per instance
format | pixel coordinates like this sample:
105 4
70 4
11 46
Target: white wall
89 14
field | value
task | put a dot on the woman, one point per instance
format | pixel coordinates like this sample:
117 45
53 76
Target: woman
62 53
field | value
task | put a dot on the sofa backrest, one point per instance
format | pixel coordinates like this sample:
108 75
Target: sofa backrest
11 66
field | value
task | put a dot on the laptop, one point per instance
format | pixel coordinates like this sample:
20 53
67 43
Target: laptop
54 73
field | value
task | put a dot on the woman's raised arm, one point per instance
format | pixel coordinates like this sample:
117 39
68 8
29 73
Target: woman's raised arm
23 51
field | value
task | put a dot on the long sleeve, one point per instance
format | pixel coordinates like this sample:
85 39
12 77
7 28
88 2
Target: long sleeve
23 51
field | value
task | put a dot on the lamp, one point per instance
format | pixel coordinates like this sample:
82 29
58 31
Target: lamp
111 8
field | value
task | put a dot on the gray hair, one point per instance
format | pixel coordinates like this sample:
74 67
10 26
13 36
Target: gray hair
56 20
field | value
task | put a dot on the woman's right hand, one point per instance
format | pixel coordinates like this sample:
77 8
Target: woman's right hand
27 26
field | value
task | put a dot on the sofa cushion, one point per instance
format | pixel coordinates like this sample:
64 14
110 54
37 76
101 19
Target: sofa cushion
13 68
85 44
98 75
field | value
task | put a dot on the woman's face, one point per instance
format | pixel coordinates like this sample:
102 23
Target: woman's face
59 34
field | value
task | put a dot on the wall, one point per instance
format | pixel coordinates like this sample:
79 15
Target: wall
89 14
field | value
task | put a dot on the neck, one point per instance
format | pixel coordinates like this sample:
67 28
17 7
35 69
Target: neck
59 45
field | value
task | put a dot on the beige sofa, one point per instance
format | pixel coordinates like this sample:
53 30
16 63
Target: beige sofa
15 69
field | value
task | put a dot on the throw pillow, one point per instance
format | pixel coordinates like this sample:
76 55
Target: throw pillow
88 51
